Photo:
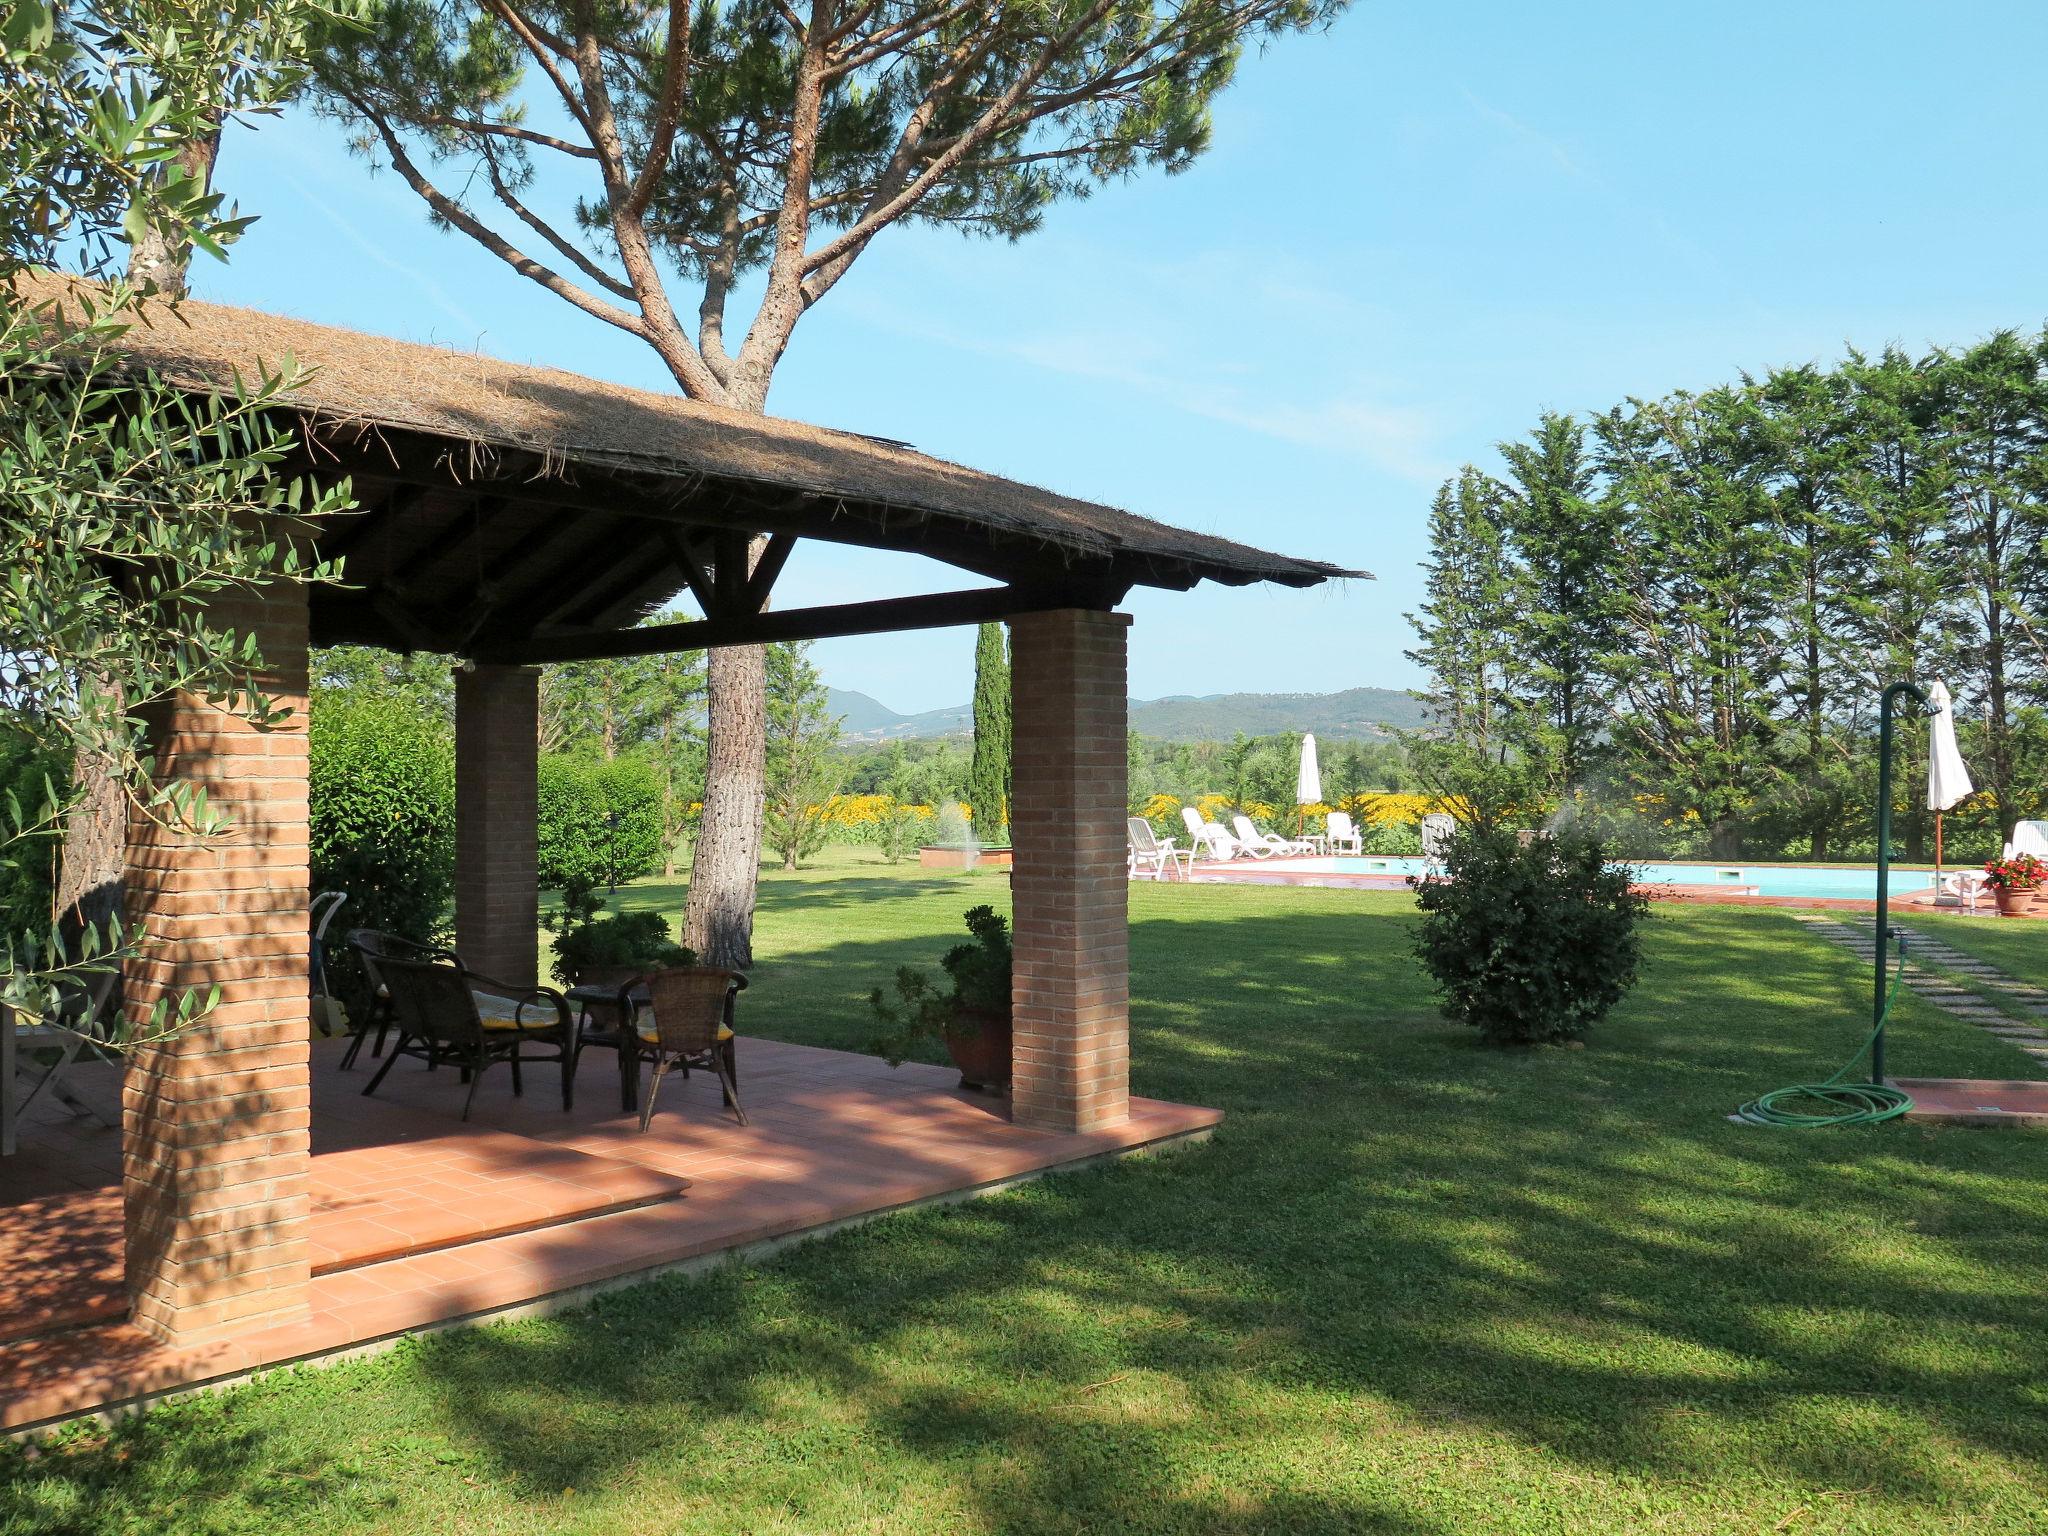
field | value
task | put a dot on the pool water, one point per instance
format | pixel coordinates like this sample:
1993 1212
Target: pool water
1762 879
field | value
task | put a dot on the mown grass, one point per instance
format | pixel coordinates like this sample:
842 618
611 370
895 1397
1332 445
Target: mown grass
1413 1286
2017 947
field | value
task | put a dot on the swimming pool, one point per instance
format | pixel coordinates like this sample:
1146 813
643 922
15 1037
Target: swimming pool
1737 879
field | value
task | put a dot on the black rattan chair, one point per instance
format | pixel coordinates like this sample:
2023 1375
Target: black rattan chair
445 1013
372 947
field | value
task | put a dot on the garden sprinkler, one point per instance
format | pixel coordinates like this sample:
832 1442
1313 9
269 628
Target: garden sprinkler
1839 1102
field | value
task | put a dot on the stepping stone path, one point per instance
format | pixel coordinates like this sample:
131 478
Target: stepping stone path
1925 957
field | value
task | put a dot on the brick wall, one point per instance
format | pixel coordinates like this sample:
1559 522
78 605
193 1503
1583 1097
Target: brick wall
1071 989
497 751
216 1120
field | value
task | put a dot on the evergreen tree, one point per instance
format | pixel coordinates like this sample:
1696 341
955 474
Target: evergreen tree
1702 581
1904 598
800 737
988 779
1464 628
1564 605
1991 434
1800 432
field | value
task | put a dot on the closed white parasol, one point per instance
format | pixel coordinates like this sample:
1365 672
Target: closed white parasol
1948 777
1308 784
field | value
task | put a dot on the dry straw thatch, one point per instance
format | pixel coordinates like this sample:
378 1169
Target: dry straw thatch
576 422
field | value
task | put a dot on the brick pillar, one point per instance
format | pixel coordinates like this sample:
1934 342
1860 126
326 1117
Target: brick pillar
497 769
215 1121
1071 990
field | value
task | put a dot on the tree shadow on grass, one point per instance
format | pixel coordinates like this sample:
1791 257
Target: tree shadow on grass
1406 1266
1573 1248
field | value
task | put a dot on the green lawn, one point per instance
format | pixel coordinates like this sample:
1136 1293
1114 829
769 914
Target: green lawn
1413 1286
2019 948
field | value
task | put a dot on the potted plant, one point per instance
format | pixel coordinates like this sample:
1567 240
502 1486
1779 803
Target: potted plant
972 1017
2014 881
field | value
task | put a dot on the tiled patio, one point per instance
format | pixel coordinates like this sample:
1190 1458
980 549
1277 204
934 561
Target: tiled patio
420 1220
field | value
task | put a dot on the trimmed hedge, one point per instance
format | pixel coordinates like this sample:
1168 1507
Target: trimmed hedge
382 784
600 822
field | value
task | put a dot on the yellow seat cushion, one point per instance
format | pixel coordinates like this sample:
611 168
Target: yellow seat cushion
500 1013
649 1037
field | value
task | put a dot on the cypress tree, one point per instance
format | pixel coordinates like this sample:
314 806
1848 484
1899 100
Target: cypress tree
988 777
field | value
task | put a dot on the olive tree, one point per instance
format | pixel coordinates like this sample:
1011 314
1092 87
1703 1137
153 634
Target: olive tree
129 506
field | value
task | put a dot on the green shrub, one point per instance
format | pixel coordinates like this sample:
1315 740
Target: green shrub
600 823
381 781
979 971
620 941
1529 943
29 773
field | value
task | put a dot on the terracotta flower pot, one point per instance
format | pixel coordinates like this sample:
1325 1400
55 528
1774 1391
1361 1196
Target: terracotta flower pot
982 1052
2015 900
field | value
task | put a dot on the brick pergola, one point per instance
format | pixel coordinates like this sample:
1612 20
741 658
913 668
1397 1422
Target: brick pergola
516 516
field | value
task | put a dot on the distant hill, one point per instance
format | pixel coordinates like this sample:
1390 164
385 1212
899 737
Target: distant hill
1353 715
868 719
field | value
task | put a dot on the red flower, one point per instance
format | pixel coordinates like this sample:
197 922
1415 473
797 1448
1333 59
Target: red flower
2020 873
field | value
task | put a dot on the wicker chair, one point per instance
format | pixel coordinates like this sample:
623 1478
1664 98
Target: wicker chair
372 947
442 1011
686 1022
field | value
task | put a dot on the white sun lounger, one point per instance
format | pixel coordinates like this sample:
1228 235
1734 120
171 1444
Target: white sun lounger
1206 839
1264 845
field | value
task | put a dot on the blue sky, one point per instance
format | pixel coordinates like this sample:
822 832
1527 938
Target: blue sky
1413 234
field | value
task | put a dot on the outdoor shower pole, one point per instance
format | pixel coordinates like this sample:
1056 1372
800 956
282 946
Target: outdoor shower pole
1884 863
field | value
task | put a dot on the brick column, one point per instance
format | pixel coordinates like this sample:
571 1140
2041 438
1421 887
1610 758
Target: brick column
497 770
1071 989
215 1121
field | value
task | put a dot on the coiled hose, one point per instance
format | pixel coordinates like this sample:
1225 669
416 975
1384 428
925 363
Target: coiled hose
1835 1102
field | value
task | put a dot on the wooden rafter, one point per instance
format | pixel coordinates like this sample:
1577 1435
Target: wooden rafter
766 569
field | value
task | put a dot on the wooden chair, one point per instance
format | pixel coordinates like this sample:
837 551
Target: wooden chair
685 1021
443 1011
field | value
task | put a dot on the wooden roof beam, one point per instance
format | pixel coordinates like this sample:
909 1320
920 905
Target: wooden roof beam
936 610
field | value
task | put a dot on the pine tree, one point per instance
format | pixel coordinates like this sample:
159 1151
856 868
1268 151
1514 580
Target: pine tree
988 778
1701 573
1801 432
717 144
1463 629
1564 609
1904 597
800 737
1991 434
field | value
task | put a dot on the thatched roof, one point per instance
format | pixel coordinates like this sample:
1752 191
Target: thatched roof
531 434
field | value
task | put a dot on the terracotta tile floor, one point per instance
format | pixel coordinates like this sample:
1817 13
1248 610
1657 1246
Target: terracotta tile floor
1977 1101
420 1219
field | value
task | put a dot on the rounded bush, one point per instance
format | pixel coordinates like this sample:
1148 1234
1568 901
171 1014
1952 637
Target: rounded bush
1530 943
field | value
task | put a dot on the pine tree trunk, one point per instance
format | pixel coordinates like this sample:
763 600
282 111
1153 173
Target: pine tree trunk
1726 839
718 921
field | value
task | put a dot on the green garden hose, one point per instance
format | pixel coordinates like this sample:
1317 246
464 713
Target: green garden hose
1835 1102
